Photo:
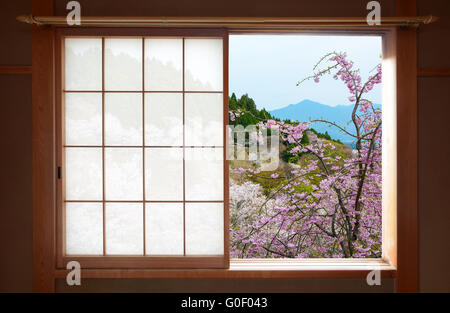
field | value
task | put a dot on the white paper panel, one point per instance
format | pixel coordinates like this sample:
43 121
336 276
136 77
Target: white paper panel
204 174
123 119
124 230
83 173
204 119
164 228
163 64
83 118
163 119
83 63
203 64
204 228
123 173
164 174
84 228
123 64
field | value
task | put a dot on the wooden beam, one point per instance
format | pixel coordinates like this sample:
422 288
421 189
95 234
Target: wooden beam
407 212
256 268
43 160
15 69
433 72
229 22
221 273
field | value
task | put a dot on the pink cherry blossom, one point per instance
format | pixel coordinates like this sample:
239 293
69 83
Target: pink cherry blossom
331 205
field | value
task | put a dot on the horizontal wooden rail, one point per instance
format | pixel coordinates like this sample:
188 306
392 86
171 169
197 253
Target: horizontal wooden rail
433 72
221 273
229 22
256 268
15 69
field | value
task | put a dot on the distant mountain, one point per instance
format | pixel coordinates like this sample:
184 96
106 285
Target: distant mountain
309 110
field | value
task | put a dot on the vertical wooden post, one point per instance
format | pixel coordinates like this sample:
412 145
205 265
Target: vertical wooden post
226 173
43 143
407 228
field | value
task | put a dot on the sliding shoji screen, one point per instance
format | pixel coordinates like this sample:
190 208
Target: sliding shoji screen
143 150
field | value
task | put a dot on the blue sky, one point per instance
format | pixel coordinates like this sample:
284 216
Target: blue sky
268 67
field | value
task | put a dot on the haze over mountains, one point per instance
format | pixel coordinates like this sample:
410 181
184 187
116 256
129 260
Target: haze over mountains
309 110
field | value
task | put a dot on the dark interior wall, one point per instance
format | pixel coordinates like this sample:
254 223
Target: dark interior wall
15 95
15 181
225 285
15 156
434 210
434 149
15 36
433 40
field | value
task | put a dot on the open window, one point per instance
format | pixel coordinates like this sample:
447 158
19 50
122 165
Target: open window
143 176
399 242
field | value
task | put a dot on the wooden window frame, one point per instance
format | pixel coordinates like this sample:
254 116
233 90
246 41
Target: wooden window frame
400 230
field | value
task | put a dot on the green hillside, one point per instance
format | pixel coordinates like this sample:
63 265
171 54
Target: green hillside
250 116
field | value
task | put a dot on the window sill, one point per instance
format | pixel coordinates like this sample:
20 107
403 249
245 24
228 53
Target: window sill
256 268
